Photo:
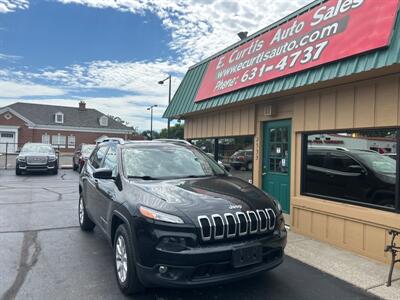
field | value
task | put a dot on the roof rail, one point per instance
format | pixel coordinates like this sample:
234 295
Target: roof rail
328 148
173 141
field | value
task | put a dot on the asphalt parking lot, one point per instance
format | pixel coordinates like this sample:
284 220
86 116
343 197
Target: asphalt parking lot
44 255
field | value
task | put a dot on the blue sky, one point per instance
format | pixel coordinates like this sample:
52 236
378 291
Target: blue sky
111 53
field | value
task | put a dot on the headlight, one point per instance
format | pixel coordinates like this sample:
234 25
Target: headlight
21 158
277 204
52 158
159 216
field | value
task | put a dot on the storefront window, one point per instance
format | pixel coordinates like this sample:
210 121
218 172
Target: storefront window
354 166
234 154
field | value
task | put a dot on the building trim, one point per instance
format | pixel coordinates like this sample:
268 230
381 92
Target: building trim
10 110
80 129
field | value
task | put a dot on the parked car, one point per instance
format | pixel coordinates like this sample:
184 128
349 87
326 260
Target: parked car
175 218
225 166
36 157
242 159
81 154
360 175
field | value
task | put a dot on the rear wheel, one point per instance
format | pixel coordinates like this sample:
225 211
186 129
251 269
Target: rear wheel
124 256
74 166
84 221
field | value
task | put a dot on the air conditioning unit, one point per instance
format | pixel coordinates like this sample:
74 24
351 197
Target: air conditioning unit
269 110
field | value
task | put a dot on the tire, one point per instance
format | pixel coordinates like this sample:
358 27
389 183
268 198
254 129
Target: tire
237 168
124 259
84 221
55 171
17 171
74 166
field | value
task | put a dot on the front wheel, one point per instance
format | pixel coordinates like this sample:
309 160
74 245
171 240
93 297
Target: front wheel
84 220
125 268
18 171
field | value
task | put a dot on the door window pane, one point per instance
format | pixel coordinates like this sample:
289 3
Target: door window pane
110 161
97 157
356 166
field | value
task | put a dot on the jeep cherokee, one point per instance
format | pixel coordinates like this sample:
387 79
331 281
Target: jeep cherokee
175 218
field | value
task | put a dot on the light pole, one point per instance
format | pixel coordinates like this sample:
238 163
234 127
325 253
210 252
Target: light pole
151 119
169 97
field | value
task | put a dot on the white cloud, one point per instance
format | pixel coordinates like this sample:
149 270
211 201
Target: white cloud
201 28
18 89
9 57
7 6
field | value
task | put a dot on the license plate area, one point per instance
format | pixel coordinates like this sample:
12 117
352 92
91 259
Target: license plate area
245 256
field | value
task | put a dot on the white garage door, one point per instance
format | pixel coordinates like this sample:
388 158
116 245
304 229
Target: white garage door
7 137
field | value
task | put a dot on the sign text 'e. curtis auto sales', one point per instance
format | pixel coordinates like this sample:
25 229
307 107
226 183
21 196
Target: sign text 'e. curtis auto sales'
331 31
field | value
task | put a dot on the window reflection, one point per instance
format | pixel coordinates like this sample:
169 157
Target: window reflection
235 154
358 166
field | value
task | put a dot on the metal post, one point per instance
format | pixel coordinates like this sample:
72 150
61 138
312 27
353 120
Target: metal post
151 123
216 150
6 156
169 101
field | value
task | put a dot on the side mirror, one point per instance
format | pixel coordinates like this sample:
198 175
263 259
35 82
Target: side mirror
103 173
357 169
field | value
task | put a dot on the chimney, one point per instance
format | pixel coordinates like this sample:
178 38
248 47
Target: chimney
82 105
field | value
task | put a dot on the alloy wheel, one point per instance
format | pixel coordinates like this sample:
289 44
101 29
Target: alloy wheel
81 211
121 259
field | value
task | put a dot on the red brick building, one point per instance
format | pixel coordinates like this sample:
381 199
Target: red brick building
62 126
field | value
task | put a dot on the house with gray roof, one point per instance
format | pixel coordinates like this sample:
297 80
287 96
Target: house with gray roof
62 126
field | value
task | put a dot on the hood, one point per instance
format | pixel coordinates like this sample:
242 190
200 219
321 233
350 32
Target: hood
36 154
205 196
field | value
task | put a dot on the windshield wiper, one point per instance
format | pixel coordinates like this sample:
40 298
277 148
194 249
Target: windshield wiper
196 176
143 177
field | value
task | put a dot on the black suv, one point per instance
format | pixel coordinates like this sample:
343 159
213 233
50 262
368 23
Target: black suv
36 157
358 175
175 218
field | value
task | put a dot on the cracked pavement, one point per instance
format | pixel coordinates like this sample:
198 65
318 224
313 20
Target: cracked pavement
44 255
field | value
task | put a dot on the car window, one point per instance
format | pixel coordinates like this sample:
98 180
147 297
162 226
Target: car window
340 162
97 157
315 159
378 162
110 161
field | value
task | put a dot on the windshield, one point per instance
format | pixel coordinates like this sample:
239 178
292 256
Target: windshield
37 148
168 161
378 163
87 149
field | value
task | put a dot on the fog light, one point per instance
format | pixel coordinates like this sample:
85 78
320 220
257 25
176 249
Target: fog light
162 269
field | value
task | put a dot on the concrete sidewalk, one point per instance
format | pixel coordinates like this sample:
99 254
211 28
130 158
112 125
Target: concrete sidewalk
360 271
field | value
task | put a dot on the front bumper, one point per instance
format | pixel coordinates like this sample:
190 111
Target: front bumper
37 167
212 264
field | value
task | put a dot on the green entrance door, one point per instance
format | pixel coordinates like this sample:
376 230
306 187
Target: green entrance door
276 161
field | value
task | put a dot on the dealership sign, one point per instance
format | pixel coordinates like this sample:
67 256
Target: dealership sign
331 31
